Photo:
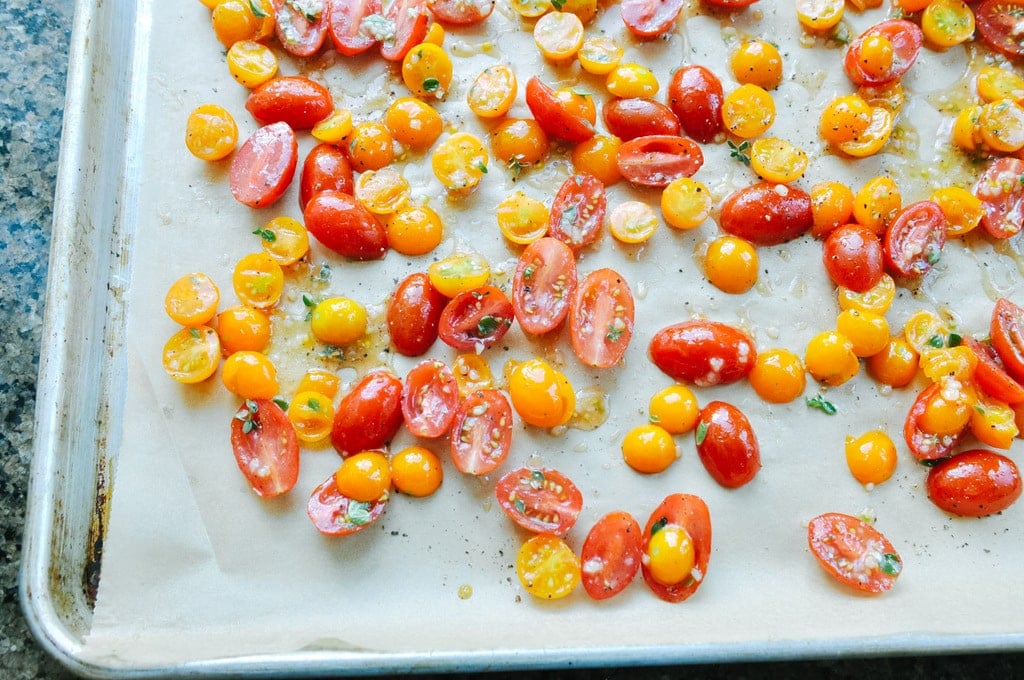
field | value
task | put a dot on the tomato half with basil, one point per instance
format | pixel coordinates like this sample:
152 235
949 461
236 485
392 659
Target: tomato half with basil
913 241
461 12
369 415
264 165
481 434
296 100
998 25
631 117
335 514
853 257
703 353
540 500
1001 191
554 115
414 315
974 483
695 94
543 284
926 446
411 21
611 555
906 39
689 513
767 214
991 376
346 25
577 211
326 168
265 447
658 160
300 32
344 225
650 18
430 396
726 444
601 317
1006 332
476 319
853 552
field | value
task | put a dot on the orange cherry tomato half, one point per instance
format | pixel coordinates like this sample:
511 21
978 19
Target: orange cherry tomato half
853 552
540 500
265 447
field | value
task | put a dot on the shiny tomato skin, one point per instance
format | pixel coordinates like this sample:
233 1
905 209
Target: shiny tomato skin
974 483
767 214
461 12
853 257
296 33
540 500
346 16
332 512
411 21
691 513
727 445
997 25
543 284
923 445
632 117
1006 332
601 317
326 168
476 318
264 165
650 18
577 211
369 415
265 447
906 38
611 555
296 100
991 376
913 241
1002 196
695 94
838 541
658 160
414 315
703 353
730 4
553 114
430 396
481 434
344 225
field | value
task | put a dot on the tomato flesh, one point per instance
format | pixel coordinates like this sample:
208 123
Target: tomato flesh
476 319
540 500
650 18
265 447
1006 332
601 318
335 514
346 17
658 160
543 284
430 396
906 38
411 21
853 552
998 25
369 415
703 353
264 165
691 513
611 555
726 445
299 33
974 483
462 12
913 241
1001 190
577 211
481 434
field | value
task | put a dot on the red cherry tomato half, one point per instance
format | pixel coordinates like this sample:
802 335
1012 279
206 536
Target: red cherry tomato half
767 214
298 33
633 117
344 225
730 4
1001 190
326 168
998 24
411 21
543 284
601 318
265 446
334 514
540 500
429 399
481 433
611 555
695 95
991 376
414 315
853 552
1006 332
658 160
703 353
264 166
974 483
476 319
346 19
925 445
577 211
906 39
296 100
853 257
650 18
369 415
727 445
554 115
461 12
690 513
913 241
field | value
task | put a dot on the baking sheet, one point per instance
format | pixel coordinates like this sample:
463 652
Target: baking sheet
199 575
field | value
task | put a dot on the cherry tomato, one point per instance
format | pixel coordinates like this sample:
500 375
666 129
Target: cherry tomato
730 4
991 376
577 211
1002 195
540 500
211 132
369 415
695 95
974 483
767 214
554 114
461 12
265 446
611 555
411 21
853 257
414 314
429 398
300 31
638 117
481 433
658 160
326 167
925 445
296 100
650 18
264 166
547 567
726 444
905 38
192 354
192 300
476 319
601 317
913 241
689 513
334 514
344 225
703 353
1006 332
346 20
853 552
997 22
543 285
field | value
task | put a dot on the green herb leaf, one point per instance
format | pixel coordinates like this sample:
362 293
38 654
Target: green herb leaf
614 333
308 301
266 234
934 256
487 326
358 513
739 151
281 403
891 564
819 402
314 405
558 4
936 341
659 525
702 432
955 340
537 479
482 167
528 272
431 85
257 10
519 504
194 332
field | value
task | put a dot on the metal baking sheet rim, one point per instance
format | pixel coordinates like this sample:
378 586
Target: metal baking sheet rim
81 384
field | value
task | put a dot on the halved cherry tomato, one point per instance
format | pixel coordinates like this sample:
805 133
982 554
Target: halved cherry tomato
476 319
577 211
695 95
727 445
658 160
414 314
913 241
265 447
974 483
611 555
264 166
334 514
853 257
1001 190
461 12
429 399
767 214
369 415
543 284
925 445
296 100
346 25
991 376
633 117
192 354
689 513
481 433
730 4
344 225
853 552
540 500
601 318
998 24
703 353
411 21
1006 332
650 18
905 37
326 167
555 115
301 32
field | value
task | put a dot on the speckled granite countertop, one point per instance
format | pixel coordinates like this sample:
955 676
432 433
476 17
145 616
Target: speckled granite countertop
32 74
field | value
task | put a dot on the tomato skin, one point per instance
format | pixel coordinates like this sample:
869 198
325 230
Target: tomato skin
650 18
658 160
296 33
914 240
430 396
991 376
476 318
414 315
344 225
727 445
577 211
730 4
997 24
369 415
481 433
543 285
331 511
1002 195
974 483
264 165
853 257
1006 332
703 353
638 117
838 541
691 513
268 453
460 13
923 445
554 115
906 38
767 214
540 500
411 22
695 94
611 555
346 16
296 100
326 168
601 317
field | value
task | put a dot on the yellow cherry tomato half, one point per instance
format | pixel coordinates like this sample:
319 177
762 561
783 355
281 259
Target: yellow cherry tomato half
632 80
757 62
312 416
778 376
686 203
633 222
413 122
820 15
871 457
674 408
599 55
748 111
649 448
459 273
414 230
285 239
427 71
493 92
777 160
258 280
383 191
830 358
731 264
334 128
192 354
547 567
558 35
210 132
522 219
460 162
671 556
251 63
320 381
192 300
